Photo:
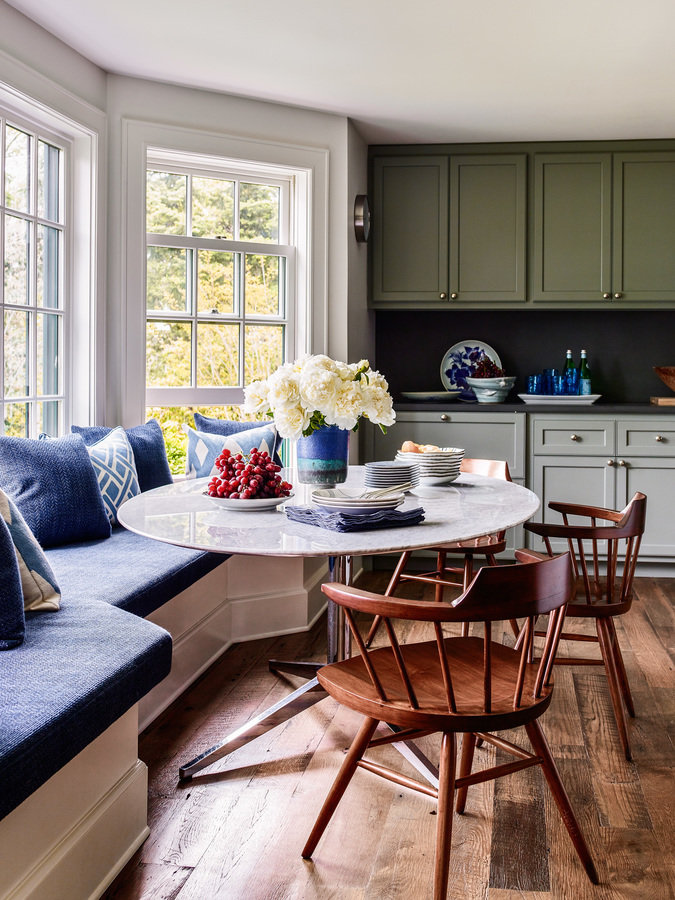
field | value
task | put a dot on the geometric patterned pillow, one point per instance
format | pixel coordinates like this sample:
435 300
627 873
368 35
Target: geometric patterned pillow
203 449
113 462
38 583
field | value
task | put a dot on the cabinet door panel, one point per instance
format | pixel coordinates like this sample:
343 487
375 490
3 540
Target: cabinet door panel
644 226
656 479
588 480
487 227
487 436
572 226
410 229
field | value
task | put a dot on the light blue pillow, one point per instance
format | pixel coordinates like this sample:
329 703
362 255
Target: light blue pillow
203 449
113 462
38 583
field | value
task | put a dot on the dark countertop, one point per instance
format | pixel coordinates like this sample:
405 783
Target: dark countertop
597 408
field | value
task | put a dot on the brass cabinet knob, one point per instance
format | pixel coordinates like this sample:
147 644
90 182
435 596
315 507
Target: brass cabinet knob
575 437
622 463
617 296
445 417
606 296
453 296
610 462
443 295
659 438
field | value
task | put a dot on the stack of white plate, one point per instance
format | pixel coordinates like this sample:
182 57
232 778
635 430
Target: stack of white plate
340 500
389 472
435 466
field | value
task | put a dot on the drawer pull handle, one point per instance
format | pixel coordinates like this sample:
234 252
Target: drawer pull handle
575 437
622 462
445 417
659 438
610 462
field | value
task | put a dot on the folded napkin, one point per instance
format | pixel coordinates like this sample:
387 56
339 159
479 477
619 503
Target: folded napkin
345 521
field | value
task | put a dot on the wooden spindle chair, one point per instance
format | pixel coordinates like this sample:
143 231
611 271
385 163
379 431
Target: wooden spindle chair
471 685
604 558
445 575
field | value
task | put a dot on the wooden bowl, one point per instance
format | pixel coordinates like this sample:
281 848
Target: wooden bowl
667 375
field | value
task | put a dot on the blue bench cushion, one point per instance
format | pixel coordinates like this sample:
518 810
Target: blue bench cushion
128 570
76 672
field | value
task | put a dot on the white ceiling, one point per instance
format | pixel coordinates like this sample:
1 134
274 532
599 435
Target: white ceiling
403 70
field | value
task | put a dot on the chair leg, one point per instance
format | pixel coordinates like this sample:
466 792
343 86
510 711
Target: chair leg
621 669
605 642
466 759
446 796
541 748
349 766
394 582
440 566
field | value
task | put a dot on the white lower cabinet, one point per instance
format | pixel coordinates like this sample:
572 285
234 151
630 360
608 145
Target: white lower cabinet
603 462
594 459
485 435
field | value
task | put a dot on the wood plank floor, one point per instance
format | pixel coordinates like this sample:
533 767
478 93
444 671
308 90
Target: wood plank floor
236 830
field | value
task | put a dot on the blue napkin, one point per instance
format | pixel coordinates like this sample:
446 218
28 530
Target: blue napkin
345 521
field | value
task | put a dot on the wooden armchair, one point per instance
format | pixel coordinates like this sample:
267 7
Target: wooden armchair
470 685
444 575
604 558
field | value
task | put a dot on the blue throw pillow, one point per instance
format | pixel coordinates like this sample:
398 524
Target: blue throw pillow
229 427
38 582
113 462
147 442
54 486
203 449
12 620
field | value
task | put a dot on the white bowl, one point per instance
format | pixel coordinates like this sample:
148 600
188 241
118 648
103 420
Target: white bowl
491 390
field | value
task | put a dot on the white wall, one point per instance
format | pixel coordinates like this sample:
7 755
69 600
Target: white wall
141 113
37 63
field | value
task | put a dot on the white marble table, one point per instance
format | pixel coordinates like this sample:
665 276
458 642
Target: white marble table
181 514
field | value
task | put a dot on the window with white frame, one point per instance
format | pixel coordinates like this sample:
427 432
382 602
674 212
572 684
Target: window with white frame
219 281
32 243
220 292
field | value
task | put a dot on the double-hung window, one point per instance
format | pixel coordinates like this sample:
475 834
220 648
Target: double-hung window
219 279
32 235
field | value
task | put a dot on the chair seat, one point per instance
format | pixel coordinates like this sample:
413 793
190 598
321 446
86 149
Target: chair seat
599 606
348 681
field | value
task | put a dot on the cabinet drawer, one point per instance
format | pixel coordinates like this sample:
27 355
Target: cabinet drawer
573 437
646 438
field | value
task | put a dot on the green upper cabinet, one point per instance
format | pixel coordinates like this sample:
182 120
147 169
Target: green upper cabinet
410 230
488 208
604 228
523 226
572 227
643 267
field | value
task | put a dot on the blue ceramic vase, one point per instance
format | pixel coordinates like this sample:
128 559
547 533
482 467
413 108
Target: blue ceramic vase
323 456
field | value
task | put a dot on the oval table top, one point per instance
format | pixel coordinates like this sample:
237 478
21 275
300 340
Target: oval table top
180 513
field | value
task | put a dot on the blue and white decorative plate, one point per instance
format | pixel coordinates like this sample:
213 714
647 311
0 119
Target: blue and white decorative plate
459 363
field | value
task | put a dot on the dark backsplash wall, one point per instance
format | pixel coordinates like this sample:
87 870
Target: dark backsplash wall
622 346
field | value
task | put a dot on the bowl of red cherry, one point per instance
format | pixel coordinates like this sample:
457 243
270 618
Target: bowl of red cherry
489 383
247 482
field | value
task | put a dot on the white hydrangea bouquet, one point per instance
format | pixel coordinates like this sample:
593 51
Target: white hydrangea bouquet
314 391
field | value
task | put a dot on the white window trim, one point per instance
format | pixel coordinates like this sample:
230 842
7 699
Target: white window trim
83 273
309 165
